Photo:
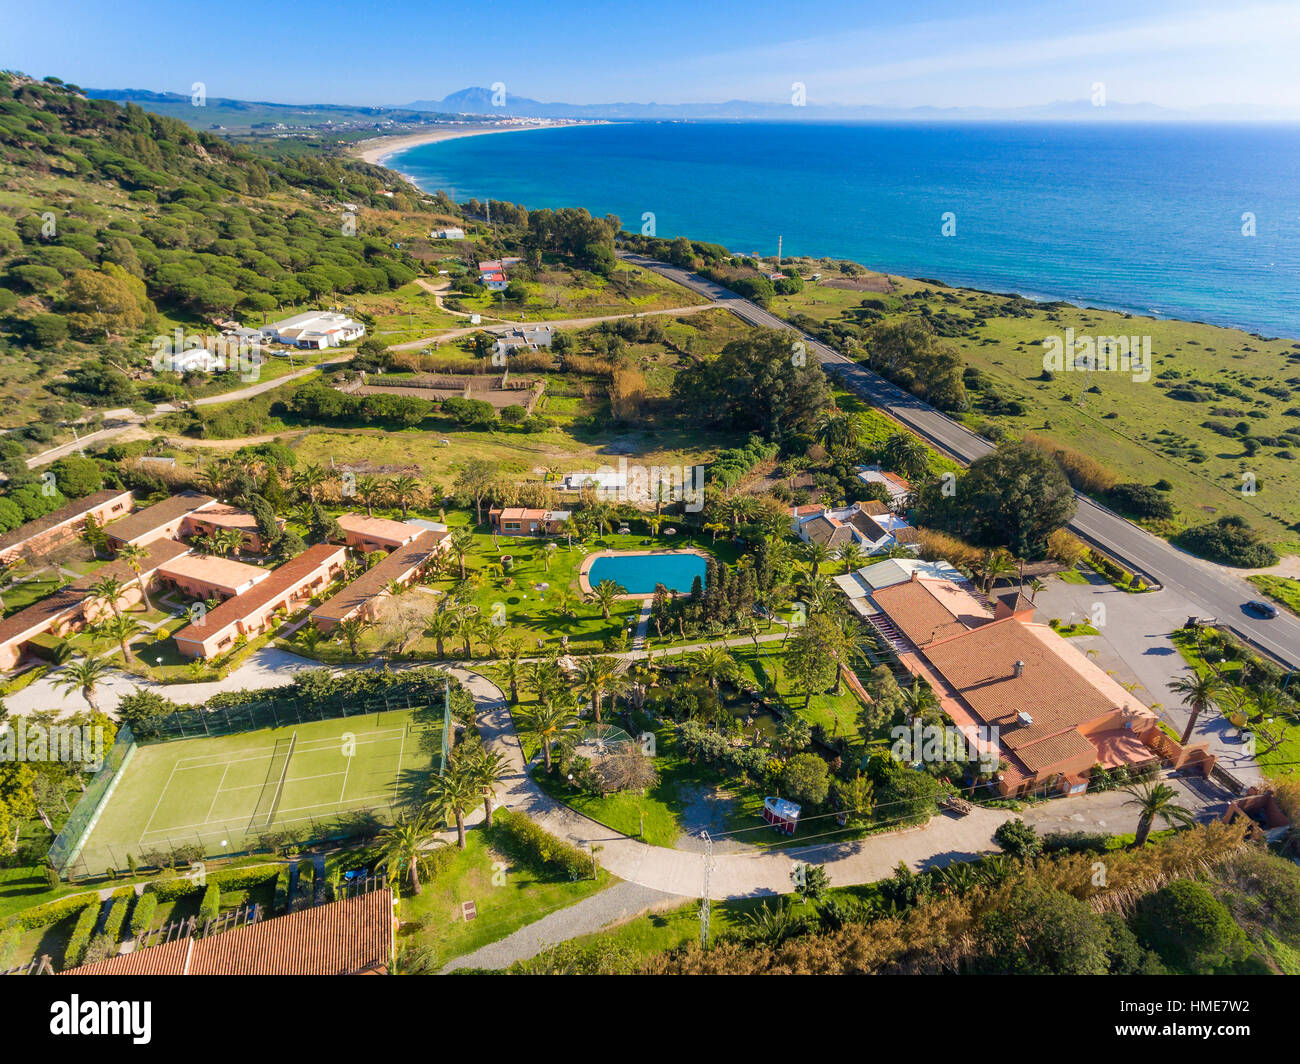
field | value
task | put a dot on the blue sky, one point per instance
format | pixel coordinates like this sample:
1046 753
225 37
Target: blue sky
925 52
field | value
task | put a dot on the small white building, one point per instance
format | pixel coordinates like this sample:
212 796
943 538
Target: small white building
450 233
872 526
315 329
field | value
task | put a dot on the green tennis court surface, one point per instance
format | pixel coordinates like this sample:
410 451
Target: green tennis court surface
234 788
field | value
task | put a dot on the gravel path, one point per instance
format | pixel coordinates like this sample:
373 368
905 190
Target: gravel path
613 905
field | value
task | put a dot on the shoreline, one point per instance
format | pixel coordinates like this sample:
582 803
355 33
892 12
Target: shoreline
377 150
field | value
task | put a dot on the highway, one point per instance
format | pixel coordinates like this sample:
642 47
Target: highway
1216 590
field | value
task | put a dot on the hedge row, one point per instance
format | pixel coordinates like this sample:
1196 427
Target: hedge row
521 838
146 906
54 911
210 906
75 952
116 917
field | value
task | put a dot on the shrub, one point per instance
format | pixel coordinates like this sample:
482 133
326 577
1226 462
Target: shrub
1228 541
79 940
54 911
146 906
210 906
116 916
1184 923
1018 839
520 837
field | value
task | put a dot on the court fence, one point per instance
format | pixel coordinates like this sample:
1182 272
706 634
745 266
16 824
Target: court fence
67 845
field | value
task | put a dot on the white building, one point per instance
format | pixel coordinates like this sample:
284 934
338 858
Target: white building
316 329
451 233
530 337
897 487
870 525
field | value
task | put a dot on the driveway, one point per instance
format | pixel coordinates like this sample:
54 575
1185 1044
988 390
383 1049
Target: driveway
1135 645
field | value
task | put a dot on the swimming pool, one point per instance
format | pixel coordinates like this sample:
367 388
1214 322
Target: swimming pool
640 572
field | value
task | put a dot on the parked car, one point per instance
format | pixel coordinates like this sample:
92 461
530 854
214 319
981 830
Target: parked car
1262 609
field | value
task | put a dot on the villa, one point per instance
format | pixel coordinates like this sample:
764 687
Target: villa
1052 713
315 329
250 614
359 598
528 337
205 576
61 525
520 521
869 525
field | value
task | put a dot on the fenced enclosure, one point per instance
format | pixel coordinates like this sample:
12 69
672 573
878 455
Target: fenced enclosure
67 845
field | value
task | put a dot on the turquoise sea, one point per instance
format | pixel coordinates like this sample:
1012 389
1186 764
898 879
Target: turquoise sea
1141 218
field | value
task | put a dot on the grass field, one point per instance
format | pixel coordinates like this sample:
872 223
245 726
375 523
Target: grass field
221 793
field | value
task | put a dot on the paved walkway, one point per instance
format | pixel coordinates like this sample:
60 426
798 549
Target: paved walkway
613 905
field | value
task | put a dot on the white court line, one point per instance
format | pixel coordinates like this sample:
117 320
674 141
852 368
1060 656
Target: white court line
162 794
397 776
218 830
216 794
305 747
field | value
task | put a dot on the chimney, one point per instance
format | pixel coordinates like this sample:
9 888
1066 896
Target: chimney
1020 668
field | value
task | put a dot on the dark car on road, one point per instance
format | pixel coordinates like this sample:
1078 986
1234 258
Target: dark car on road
1261 609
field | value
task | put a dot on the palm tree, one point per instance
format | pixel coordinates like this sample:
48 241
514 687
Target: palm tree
545 722
120 630
1200 693
715 664
905 454
205 544
404 847
596 675
460 543
512 670
852 557
405 489
996 564
606 594
135 555
715 527
84 675
918 699
487 770
794 733
1156 800
440 627
468 626
370 490
109 591
309 479
227 541
550 548
451 794
816 554
836 430
352 629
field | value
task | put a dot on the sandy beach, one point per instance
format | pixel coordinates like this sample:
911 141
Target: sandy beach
380 148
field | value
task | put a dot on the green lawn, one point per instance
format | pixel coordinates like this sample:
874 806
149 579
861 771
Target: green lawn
836 713
507 894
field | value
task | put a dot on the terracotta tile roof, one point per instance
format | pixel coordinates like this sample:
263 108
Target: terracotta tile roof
906 534
380 528
920 614
288 575
68 600
349 937
67 512
142 522
1016 601
371 583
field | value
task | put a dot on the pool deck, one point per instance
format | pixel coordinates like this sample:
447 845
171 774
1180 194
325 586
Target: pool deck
584 584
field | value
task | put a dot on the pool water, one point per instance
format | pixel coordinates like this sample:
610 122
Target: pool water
640 572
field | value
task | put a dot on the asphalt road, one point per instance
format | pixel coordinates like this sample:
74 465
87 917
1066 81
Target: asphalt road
1216 591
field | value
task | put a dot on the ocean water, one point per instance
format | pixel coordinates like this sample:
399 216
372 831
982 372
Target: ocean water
1141 218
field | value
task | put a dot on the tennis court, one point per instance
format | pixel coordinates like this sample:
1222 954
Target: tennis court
222 793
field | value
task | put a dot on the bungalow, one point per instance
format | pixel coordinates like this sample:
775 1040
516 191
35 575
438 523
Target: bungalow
61 525
451 232
315 329
162 520
898 488
218 515
205 576
521 521
1014 687
360 596
71 608
249 614
605 482
369 534
532 338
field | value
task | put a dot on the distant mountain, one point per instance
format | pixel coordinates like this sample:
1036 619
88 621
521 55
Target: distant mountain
480 101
